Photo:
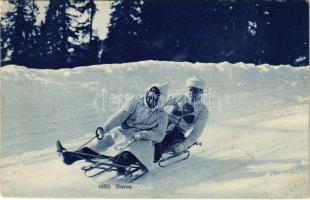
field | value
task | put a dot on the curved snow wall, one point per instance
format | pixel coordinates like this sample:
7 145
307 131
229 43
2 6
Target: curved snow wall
45 105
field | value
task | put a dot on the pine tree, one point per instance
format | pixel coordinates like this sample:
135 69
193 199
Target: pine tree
19 33
181 30
158 17
55 33
82 28
123 39
84 45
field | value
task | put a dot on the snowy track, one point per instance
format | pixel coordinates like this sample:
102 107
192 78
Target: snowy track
256 146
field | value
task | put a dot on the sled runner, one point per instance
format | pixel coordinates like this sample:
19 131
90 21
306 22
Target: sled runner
172 158
100 164
98 167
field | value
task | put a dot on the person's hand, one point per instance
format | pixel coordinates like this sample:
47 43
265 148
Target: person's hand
175 110
100 132
140 135
172 107
178 148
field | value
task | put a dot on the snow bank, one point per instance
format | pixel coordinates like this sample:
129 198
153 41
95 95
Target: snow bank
256 133
59 103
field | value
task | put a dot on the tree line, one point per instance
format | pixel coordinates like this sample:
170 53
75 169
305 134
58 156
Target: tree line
256 32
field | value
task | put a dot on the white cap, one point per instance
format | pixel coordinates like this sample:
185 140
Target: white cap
195 82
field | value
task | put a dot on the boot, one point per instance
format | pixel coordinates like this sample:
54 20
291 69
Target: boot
59 147
71 157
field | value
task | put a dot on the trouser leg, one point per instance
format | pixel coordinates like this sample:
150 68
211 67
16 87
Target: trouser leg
158 152
162 147
71 157
171 138
126 158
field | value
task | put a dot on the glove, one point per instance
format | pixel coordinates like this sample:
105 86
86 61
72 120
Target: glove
140 135
174 110
171 108
100 132
178 148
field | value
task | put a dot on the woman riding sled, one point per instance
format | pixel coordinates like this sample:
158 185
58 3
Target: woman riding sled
141 120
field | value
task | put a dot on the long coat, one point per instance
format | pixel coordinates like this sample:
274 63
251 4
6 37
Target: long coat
136 116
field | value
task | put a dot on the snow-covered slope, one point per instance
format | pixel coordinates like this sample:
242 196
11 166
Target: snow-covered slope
255 143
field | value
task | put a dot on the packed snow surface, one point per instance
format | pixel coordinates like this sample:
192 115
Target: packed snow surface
255 144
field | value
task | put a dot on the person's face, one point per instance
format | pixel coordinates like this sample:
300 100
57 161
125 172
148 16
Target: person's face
152 98
195 93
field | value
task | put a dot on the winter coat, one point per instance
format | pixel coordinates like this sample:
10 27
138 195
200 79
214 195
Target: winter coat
136 116
201 116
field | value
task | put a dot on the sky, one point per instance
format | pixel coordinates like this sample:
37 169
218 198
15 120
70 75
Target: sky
101 18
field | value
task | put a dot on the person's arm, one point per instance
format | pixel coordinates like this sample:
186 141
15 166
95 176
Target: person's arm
119 117
158 133
172 101
171 104
197 129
